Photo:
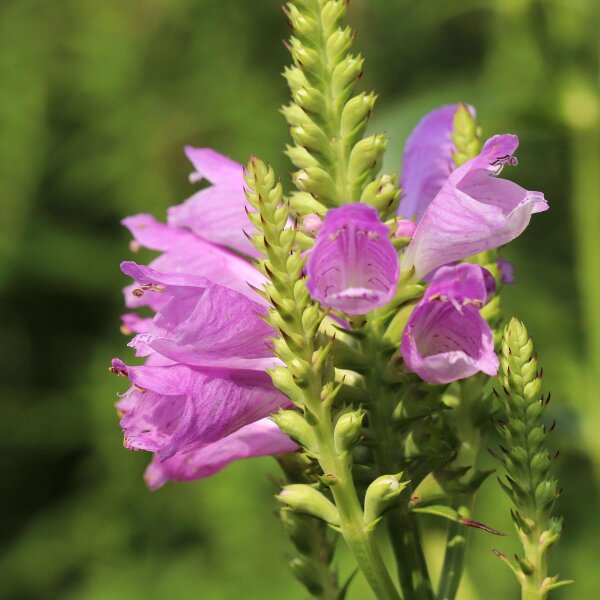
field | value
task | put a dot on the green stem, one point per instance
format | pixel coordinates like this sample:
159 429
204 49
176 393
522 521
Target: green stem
359 539
532 587
405 539
403 528
457 538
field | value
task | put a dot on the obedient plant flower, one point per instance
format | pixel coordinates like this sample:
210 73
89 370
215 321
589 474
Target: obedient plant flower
353 266
201 322
261 438
215 213
446 338
428 160
178 408
202 398
473 211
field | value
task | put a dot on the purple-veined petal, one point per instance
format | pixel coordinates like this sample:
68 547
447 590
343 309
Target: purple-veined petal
216 213
201 322
446 338
474 211
442 344
353 266
184 252
262 438
178 408
428 160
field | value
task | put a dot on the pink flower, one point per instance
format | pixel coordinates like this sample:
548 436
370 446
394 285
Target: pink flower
474 210
353 266
261 438
202 398
215 213
428 160
446 338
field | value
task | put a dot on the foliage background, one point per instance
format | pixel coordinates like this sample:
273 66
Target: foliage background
98 100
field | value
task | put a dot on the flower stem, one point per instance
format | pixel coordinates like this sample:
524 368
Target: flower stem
403 528
457 538
359 539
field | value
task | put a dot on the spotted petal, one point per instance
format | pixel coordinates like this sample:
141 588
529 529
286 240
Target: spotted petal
353 266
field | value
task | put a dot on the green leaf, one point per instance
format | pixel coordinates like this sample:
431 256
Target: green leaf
451 514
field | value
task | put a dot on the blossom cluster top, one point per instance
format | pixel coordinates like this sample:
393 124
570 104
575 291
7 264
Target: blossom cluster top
202 397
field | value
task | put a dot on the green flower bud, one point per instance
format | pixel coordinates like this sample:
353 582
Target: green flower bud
305 499
466 136
348 431
305 204
380 495
284 381
293 424
356 115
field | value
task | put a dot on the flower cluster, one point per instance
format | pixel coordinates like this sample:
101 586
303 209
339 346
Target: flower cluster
203 398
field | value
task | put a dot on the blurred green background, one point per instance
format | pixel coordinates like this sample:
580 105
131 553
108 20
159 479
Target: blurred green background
97 100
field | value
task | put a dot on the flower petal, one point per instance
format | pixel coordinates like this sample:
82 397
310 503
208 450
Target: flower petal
216 213
201 322
428 160
353 266
184 252
463 283
474 211
178 408
262 438
442 344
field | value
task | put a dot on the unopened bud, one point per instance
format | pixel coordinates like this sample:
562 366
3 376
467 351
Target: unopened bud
405 228
305 499
380 496
293 424
312 223
348 431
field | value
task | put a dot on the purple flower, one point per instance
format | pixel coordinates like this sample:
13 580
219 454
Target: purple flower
200 322
446 338
184 252
261 438
202 398
216 213
474 210
178 408
353 266
428 160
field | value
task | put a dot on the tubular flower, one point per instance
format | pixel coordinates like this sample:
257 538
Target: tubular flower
428 160
353 266
202 399
473 211
178 408
446 338
215 213
202 322
261 438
